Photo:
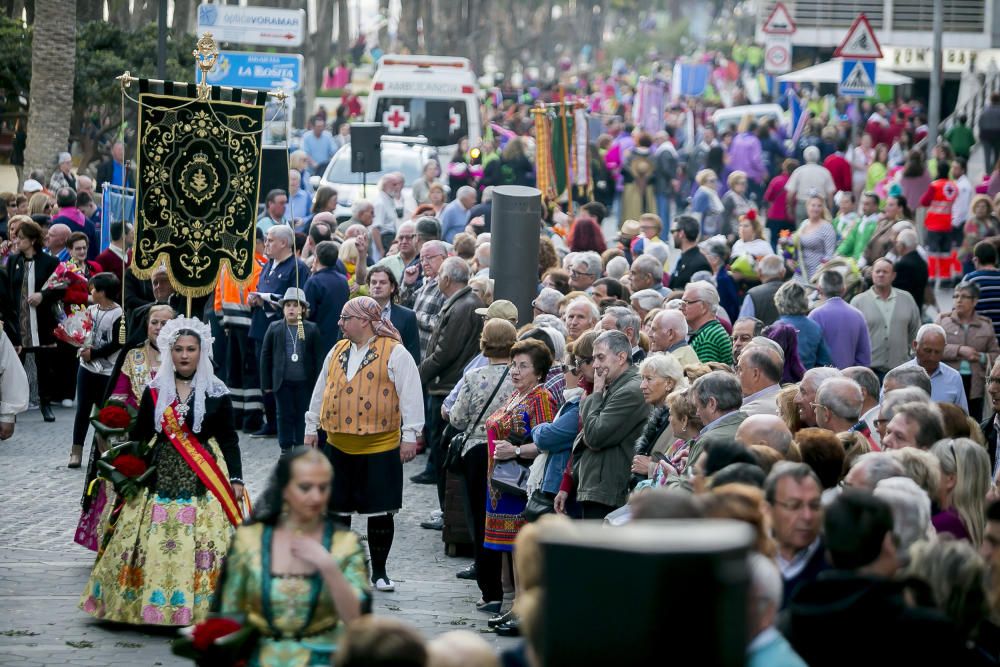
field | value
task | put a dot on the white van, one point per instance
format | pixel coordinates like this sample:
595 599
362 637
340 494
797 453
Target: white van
402 87
730 117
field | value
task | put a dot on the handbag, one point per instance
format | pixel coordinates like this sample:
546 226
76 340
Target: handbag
539 504
453 457
510 477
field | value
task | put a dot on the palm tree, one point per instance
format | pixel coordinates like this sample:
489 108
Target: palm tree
53 66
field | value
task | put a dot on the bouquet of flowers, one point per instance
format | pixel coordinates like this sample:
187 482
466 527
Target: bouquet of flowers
114 419
77 329
788 243
126 468
220 641
66 274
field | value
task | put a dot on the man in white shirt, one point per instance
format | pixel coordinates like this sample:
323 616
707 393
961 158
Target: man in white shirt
13 387
386 220
960 209
367 456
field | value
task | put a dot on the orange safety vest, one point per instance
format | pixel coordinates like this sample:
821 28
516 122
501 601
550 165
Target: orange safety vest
231 300
943 195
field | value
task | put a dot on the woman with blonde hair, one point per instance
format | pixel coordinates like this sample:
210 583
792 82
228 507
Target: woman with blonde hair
816 240
787 409
661 376
965 481
39 204
734 203
707 204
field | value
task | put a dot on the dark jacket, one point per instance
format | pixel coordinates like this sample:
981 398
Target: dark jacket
105 174
327 292
276 282
989 123
274 355
602 453
44 265
405 321
911 276
990 433
762 297
839 604
724 430
690 262
454 341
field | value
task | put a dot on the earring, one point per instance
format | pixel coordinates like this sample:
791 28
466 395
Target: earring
284 511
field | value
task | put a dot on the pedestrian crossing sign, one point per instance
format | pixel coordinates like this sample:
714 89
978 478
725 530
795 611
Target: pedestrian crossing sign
857 78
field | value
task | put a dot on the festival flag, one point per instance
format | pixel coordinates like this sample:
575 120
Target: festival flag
650 103
117 204
198 183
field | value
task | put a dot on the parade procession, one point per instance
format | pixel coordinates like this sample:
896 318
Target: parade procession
434 334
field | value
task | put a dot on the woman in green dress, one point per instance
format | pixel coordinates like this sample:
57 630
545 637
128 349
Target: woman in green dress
293 572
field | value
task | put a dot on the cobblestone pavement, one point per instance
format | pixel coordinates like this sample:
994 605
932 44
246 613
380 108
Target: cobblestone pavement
43 572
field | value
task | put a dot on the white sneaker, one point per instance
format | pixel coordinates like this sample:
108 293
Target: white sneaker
67 403
436 514
385 585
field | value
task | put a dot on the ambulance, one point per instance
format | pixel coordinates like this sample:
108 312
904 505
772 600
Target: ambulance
406 87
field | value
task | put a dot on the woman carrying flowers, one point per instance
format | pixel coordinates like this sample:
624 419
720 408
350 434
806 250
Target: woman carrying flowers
162 563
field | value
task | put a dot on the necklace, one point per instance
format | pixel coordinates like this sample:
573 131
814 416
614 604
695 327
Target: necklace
183 407
293 337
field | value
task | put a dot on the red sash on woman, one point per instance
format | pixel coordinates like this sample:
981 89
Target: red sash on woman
200 461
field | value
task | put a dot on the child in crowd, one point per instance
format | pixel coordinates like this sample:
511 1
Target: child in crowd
97 357
290 365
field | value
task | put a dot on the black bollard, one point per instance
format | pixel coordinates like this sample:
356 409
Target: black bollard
517 214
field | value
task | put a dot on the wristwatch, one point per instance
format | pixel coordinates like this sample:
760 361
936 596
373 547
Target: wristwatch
517 451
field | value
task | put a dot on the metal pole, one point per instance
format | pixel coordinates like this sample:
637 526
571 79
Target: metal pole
161 41
517 214
934 110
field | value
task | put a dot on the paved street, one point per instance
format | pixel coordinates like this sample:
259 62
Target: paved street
42 571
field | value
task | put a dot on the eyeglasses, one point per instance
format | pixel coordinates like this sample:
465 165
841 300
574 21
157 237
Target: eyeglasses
344 318
796 506
582 361
577 274
685 302
405 237
427 260
959 295
817 406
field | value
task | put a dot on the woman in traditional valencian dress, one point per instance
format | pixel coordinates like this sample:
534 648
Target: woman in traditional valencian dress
293 572
162 563
134 369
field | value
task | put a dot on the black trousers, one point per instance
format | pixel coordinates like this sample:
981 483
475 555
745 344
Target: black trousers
592 510
89 390
270 406
488 561
435 459
46 360
292 402
243 378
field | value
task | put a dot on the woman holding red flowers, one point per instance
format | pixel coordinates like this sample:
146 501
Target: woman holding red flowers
293 571
162 561
135 366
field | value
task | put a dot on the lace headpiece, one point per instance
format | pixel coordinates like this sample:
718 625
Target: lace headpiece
204 381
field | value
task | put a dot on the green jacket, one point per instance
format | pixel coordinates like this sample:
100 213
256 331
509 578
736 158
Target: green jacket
961 139
602 452
857 239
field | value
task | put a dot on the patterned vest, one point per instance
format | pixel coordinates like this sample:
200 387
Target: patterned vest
368 403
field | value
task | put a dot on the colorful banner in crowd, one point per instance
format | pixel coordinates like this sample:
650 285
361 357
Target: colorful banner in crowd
198 180
117 203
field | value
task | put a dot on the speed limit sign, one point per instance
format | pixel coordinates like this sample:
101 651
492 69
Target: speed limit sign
778 54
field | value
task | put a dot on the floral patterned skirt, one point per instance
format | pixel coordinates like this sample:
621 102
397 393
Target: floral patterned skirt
162 564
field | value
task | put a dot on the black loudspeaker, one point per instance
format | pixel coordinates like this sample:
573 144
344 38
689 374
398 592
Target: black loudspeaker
611 595
366 147
437 122
273 171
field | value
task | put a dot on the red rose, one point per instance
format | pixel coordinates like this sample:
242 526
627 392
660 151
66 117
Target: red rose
206 632
129 465
114 416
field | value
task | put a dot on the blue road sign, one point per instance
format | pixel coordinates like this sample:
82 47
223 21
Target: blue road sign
857 78
267 71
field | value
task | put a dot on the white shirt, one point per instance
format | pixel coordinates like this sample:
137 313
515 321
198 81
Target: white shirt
385 220
13 382
960 209
403 373
792 568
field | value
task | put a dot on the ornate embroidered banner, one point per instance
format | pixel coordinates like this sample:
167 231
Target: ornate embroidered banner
198 179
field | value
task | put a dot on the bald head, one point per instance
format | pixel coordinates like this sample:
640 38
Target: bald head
669 327
841 401
57 238
768 430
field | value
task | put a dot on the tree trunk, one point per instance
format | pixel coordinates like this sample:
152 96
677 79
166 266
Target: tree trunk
52 69
383 31
89 10
119 13
184 19
29 11
407 29
343 29
322 44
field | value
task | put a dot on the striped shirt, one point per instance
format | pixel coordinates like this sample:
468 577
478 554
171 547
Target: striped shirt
427 306
989 295
712 343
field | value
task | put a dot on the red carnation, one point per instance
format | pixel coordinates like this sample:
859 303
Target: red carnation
129 465
206 632
751 215
114 416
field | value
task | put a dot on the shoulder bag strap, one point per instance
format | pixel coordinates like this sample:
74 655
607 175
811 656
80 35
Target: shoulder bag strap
489 400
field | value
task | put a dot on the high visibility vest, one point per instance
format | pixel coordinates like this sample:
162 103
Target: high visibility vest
231 300
943 195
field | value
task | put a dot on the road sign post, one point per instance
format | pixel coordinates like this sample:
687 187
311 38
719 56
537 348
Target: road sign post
859 50
252 25
265 71
778 29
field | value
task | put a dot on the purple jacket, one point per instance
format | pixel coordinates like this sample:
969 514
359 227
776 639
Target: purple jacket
745 155
845 332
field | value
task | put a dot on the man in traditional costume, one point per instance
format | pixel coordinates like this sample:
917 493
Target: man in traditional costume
369 403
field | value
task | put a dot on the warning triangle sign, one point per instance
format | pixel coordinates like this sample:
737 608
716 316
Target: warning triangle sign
858 79
779 21
860 41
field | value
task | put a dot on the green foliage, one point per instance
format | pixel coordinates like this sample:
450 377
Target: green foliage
634 44
15 62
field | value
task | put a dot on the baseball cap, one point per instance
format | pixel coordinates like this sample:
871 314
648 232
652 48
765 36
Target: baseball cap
499 309
31 186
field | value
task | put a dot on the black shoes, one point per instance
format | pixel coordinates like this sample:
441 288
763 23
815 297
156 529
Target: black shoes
467 573
424 478
47 412
500 619
510 628
264 432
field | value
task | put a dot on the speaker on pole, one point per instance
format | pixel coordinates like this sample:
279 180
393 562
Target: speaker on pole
437 122
366 147
273 171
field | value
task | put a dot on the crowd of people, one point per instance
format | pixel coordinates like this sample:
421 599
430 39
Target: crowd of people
735 351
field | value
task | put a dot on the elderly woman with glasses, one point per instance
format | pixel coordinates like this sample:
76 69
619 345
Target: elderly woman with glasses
970 345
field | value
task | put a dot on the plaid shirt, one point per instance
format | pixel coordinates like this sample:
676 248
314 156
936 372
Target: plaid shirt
427 306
